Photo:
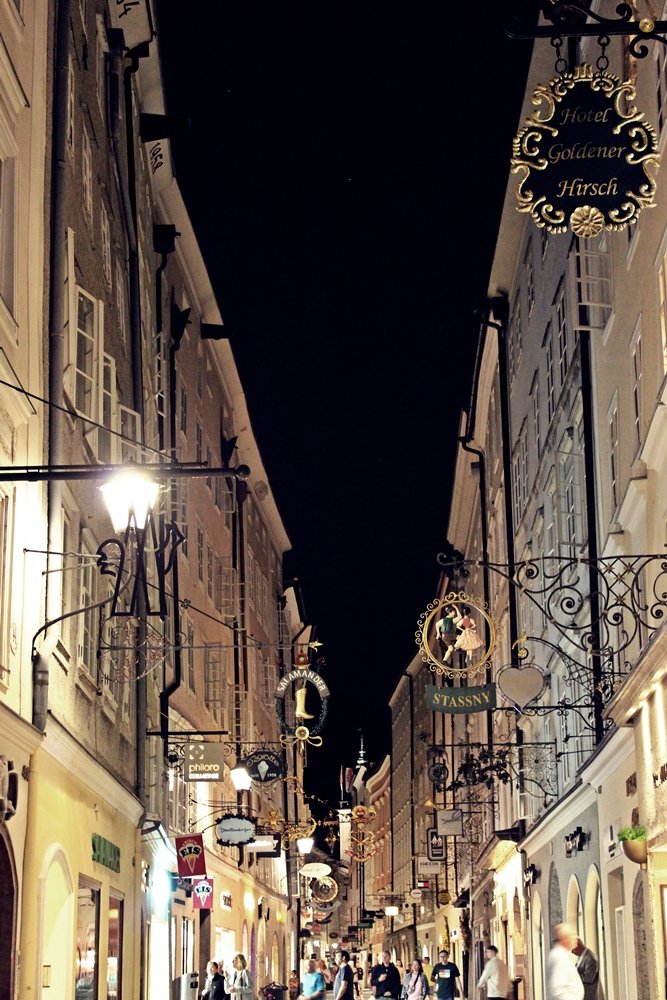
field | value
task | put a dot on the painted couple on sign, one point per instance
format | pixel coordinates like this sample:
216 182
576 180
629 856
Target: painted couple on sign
456 630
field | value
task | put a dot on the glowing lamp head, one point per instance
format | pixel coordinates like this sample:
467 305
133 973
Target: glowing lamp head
129 494
241 779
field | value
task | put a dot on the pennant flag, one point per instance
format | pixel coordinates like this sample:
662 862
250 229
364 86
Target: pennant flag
190 855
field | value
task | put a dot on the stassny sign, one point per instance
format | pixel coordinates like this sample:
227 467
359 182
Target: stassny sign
461 699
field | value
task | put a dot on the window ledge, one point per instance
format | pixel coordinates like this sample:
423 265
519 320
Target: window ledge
86 684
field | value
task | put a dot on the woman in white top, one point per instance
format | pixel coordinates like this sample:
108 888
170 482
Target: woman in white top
239 982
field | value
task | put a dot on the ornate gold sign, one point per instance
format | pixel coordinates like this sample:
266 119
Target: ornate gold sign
457 634
585 157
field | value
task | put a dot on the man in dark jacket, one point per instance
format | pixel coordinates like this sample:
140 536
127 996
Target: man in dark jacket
385 978
214 988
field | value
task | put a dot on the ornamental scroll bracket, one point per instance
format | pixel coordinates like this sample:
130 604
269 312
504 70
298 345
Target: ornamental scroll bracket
596 632
574 19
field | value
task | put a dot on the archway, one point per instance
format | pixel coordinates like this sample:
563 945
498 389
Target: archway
575 907
555 902
594 936
8 906
275 961
538 947
56 932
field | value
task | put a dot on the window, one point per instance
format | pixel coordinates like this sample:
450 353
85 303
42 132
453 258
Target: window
101 65
88 624
183 414
121 316
662 288
190 675
535 397
551 387
114 948
661 86
515 341
7 230
520 476
4 571
613 443
107 387
86 176
87 335
87 940
199 442
530 276
180 509
592 279
200 375
250 577
200 553
209 462
561 334
209 570
106 243
70 104
636 354
214 680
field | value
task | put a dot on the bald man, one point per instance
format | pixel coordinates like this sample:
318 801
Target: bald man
563 980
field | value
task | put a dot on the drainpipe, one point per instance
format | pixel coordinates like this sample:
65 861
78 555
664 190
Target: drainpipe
499 306
126 181
57 271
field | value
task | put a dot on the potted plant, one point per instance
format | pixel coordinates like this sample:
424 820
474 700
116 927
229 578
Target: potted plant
633 842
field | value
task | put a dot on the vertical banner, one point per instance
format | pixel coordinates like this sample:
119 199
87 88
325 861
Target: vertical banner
190 855
202 893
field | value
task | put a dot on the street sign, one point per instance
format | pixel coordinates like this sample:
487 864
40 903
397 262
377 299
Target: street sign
443 897
426 867
416 893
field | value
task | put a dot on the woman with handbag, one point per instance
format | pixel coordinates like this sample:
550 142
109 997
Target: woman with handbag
239 983
415 985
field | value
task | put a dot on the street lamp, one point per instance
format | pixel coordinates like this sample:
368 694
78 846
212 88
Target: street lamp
130 497
241 778
304 845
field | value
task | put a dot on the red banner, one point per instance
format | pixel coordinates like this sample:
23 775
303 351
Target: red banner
190 855
202 893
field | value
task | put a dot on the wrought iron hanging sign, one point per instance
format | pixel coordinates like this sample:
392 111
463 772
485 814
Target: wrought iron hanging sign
585 157
448 636
300 733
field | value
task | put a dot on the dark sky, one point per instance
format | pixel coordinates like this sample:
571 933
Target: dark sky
344 169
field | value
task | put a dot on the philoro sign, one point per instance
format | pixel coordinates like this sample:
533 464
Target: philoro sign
585 157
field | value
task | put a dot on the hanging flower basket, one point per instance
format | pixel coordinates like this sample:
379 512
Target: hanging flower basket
633 842
636 851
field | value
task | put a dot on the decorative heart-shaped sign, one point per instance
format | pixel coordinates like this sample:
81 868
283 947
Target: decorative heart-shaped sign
521 685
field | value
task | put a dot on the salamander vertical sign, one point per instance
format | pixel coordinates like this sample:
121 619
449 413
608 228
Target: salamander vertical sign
585 158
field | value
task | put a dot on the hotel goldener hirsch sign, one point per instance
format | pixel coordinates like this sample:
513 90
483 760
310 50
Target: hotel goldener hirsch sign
585 156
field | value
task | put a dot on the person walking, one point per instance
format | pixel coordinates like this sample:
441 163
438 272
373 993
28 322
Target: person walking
314 984
446 977
385 978
239 983
344 981
415 984
214 987
494 975
563 980
588 967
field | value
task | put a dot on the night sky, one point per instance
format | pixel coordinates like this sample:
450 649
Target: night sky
344 169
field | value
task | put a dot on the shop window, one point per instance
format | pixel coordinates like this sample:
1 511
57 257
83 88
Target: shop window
115 949
87 940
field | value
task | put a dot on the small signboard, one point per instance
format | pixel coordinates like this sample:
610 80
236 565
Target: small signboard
435 845
415 893
233 829
204 761
202 893
449 822
459 700
190 855
427 867
265 765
